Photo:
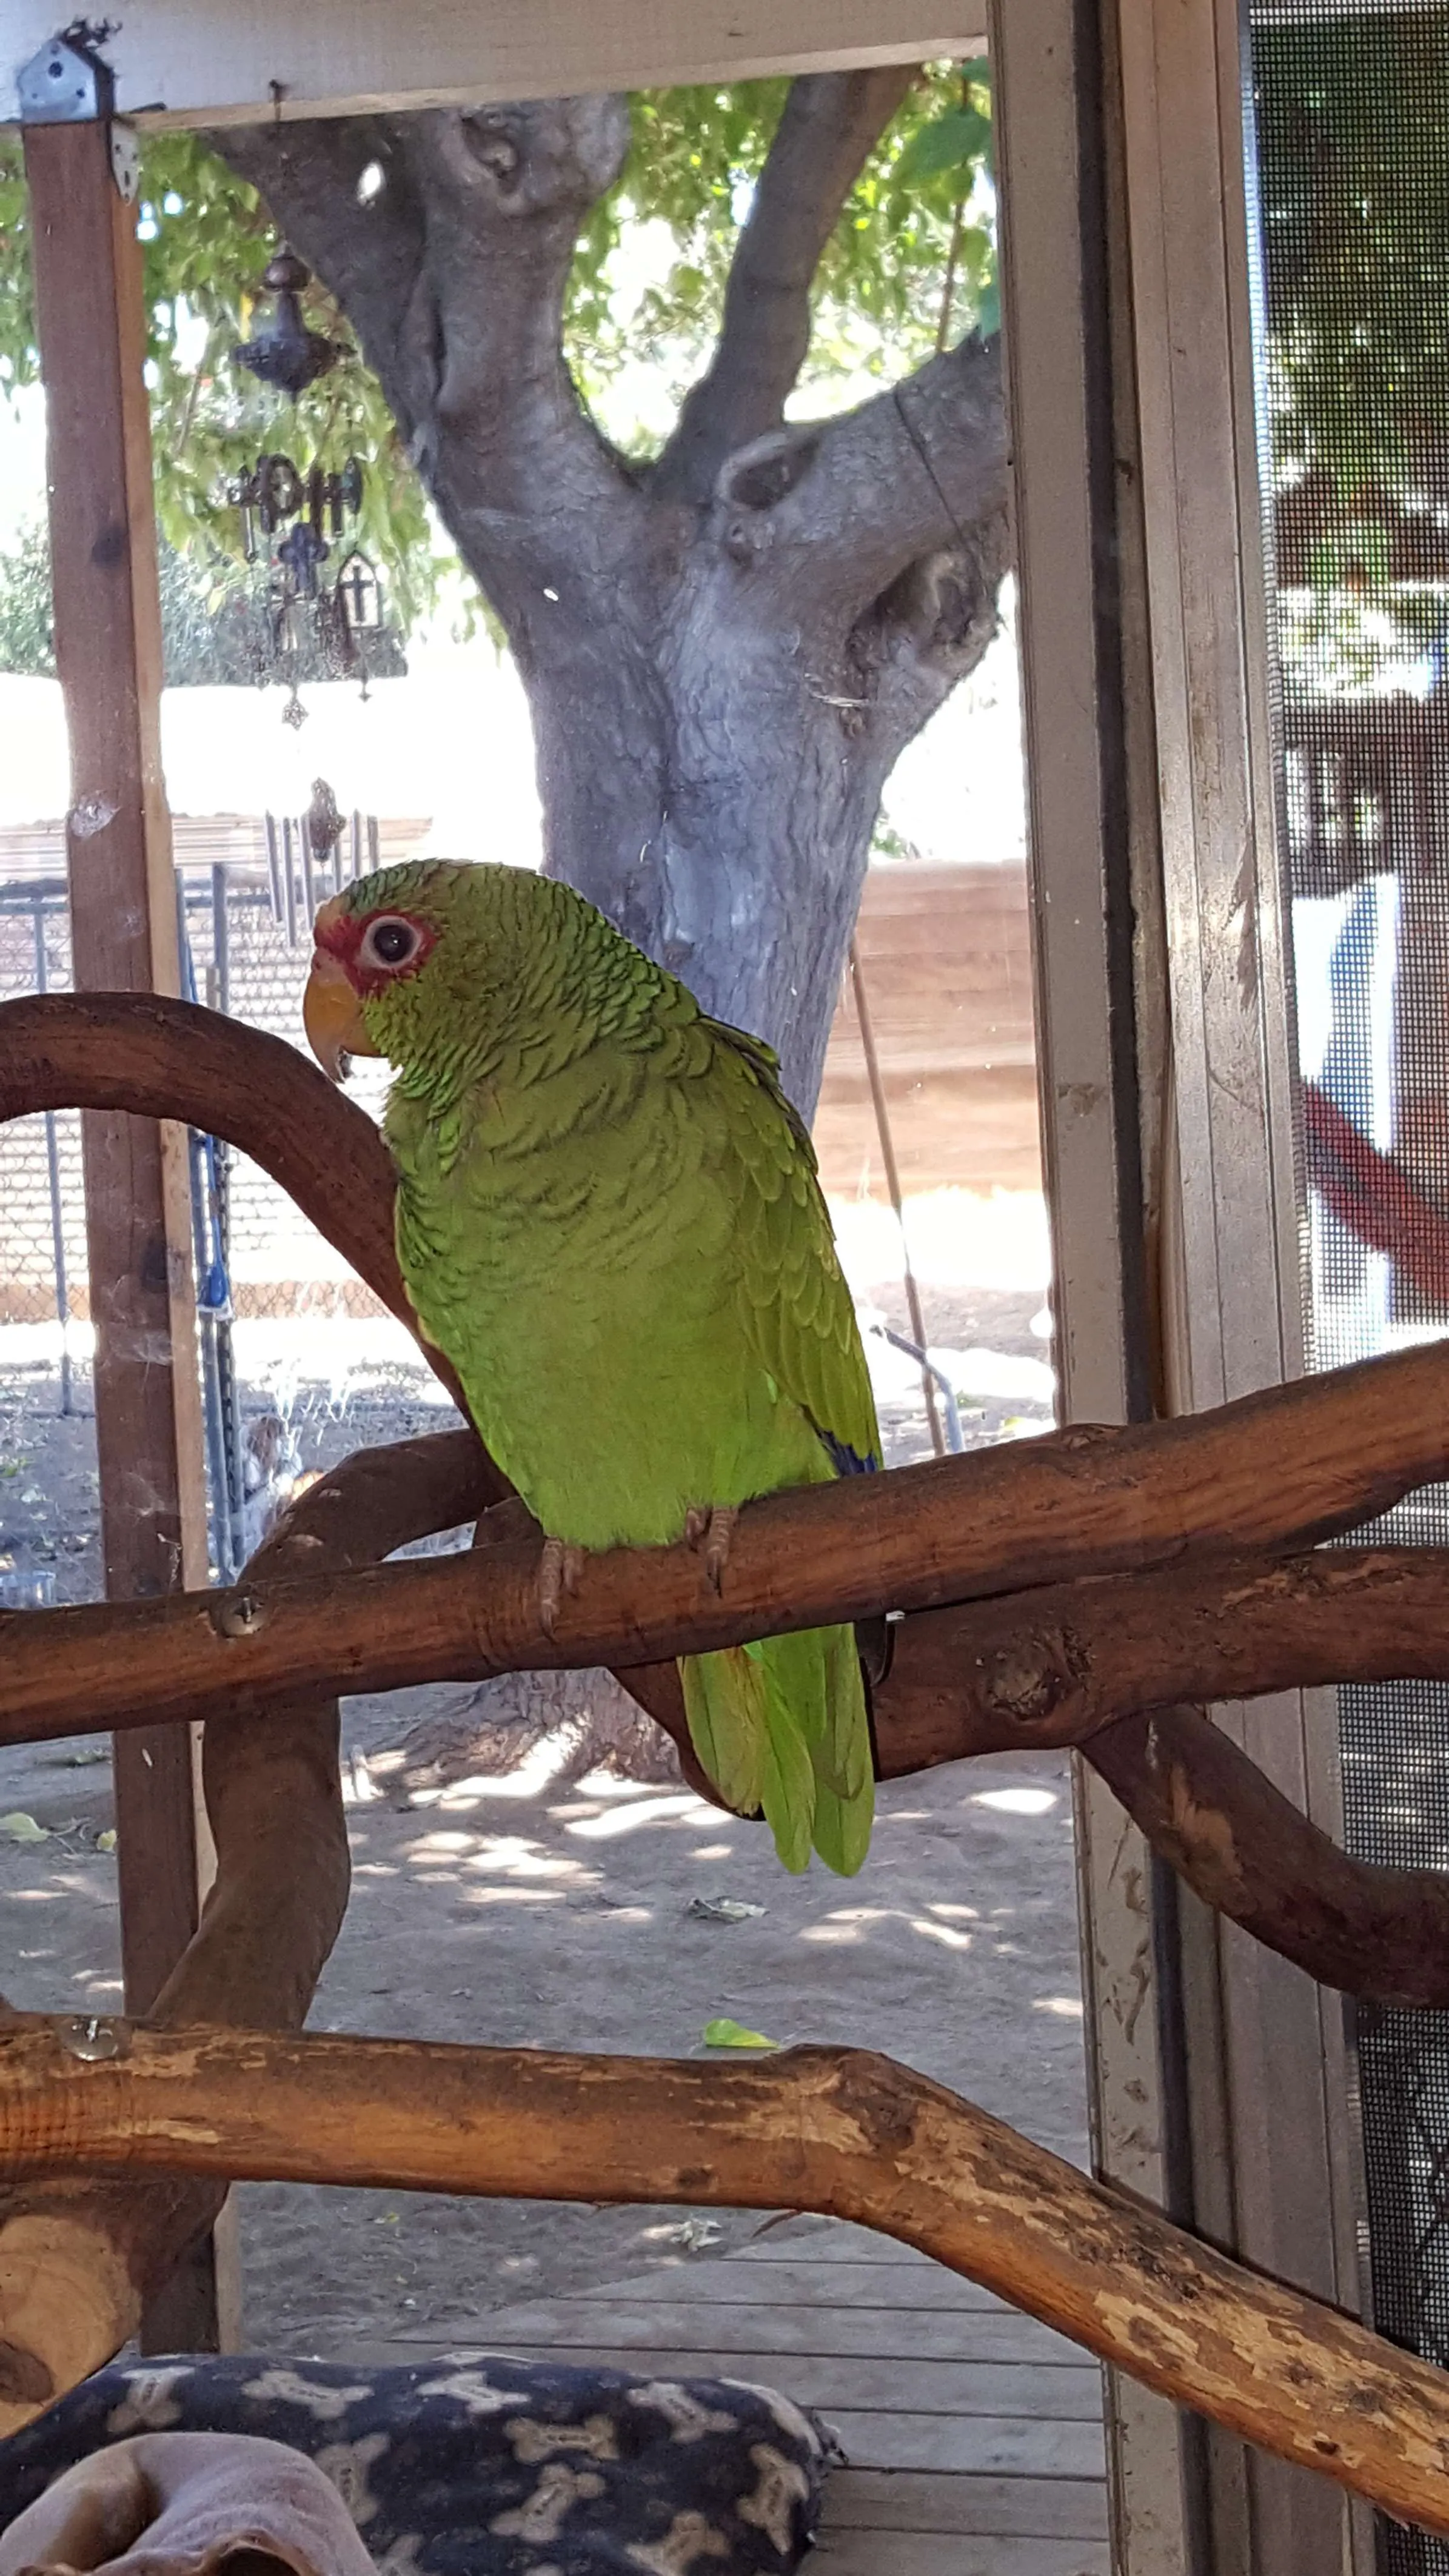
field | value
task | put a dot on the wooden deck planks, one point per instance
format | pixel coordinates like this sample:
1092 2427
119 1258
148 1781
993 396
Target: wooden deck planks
736 2282
883 2333
860 2553
974 2435
905 2500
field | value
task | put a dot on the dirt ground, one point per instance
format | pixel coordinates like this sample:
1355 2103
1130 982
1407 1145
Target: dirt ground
535 1914
525 1906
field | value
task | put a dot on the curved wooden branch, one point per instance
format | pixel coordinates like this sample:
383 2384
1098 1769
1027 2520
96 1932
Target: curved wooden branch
1044 1666
1056 1667
834 2130
164 1059
1344 1445
1247 1851
78 2257
1053 1666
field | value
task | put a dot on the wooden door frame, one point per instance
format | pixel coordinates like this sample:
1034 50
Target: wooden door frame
1123 162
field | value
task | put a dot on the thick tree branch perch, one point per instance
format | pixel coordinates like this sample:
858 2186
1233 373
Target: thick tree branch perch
1072 1505
987 1678
834 2130
831 123
1053 1666
1247 1851
164 1059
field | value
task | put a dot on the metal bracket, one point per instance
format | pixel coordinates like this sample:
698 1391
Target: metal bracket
126 159
67 82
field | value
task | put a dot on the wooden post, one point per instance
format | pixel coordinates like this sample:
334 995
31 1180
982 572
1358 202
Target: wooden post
90 321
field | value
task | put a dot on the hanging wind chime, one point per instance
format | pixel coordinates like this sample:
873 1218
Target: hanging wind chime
315 599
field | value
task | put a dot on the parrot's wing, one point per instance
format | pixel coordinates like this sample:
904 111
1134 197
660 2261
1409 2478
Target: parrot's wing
796 1309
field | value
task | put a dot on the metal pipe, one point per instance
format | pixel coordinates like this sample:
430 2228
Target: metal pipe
57 1207
893 1184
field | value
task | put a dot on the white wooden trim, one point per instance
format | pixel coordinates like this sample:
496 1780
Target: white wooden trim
212 62
1050 312
1266 2072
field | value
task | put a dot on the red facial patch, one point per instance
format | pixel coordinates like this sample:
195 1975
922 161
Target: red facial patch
345 938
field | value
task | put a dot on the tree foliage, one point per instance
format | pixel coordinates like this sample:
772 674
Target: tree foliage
1353 162
644 302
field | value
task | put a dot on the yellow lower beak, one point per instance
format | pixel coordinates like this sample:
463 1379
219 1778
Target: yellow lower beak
332 1017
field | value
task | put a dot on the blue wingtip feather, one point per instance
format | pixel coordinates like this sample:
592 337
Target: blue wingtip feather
847 1461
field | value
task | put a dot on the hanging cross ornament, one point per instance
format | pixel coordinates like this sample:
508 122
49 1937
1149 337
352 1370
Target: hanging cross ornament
359 594
293 517
292 521
301 556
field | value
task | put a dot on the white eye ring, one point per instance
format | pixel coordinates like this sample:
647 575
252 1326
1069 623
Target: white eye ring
391 942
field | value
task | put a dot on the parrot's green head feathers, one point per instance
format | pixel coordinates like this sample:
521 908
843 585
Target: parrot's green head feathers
426 963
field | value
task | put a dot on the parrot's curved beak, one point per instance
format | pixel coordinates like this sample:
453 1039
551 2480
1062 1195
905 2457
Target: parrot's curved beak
332 1017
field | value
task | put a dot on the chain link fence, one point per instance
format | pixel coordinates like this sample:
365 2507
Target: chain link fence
291 1342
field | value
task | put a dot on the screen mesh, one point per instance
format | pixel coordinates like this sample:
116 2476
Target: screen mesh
1351 111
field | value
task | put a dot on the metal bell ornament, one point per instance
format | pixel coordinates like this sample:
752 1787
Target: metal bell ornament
281 350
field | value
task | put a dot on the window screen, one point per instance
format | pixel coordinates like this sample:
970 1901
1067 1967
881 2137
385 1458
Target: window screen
1351 110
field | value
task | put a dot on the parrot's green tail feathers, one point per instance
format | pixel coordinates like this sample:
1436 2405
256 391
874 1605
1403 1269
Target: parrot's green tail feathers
782 1725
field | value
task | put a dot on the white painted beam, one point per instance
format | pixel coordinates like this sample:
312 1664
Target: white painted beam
213 62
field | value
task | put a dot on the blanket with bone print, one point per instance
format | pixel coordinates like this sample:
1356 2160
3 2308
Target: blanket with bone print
471 2464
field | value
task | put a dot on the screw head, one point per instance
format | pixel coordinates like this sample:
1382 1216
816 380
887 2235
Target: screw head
240 1615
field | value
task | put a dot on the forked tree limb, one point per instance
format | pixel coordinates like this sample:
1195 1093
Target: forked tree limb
1207 1810
834 2130
1053 1667
830 124
79 2256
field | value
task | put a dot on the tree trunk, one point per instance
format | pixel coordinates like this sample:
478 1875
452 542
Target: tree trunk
725 651
712 784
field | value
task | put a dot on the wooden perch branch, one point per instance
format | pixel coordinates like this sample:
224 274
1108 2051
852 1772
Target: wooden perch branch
1041 1513
78 2256
1055 1665
1060 1666
164 1059
834 2130
1247 1851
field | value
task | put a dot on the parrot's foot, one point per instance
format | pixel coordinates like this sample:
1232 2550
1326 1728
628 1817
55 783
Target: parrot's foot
559 1568
712 1525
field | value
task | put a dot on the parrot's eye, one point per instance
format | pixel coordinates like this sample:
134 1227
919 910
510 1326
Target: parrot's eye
390 942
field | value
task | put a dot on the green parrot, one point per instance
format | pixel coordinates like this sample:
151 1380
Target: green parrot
609 1220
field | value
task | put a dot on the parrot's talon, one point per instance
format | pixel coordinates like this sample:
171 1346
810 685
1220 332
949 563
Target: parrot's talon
559 1569
715 1526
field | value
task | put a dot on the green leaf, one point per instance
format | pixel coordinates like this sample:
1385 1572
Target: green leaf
949 142
725 2033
